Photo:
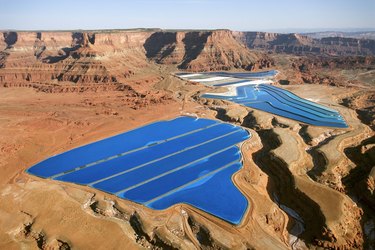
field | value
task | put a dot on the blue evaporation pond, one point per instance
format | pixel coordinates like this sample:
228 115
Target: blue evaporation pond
184 160
284 103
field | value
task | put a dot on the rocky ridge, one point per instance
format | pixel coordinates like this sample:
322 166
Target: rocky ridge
114 57
301 44
203 51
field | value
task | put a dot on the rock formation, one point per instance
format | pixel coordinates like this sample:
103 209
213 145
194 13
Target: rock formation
300 44
112 57
203 51
70 56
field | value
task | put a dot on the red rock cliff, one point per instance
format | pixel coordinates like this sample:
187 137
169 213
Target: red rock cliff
110 57
203 51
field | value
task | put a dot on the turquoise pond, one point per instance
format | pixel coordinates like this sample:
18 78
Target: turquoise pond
184 160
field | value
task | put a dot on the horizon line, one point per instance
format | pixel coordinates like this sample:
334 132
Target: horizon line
281 30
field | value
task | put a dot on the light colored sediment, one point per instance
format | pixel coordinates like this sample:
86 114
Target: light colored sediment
340 212
337 164
49 210
341 215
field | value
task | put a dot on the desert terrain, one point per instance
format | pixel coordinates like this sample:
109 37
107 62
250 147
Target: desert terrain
307 186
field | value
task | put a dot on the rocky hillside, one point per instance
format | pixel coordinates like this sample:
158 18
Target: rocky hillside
300 44
70 56
203 51
112 57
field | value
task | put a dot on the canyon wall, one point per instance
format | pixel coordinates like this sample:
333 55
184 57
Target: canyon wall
115 56
112 57
203 51
77 57
300 44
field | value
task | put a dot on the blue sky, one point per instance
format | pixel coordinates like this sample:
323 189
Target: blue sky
272 15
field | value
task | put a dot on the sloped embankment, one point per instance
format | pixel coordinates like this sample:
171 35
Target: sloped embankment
330 218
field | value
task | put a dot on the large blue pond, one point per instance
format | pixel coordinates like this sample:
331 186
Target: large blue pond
252 92
284 103
184 160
